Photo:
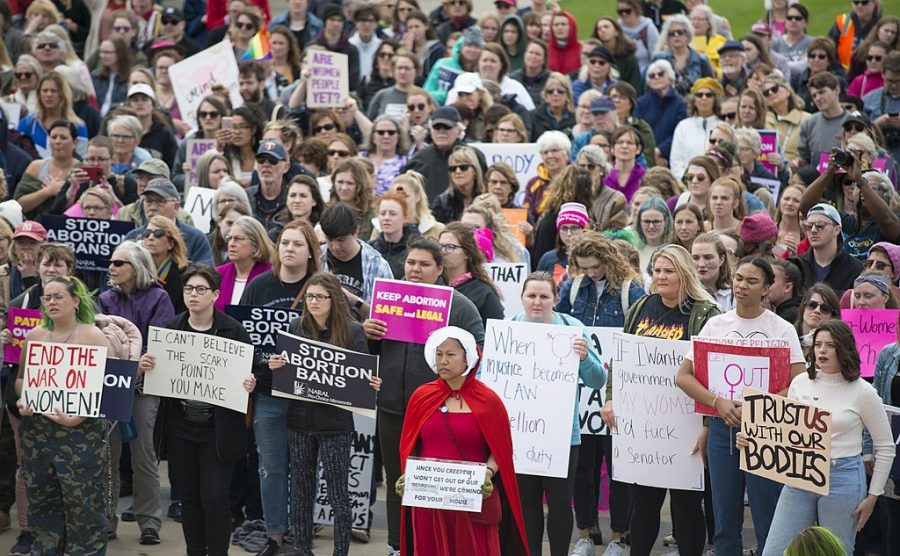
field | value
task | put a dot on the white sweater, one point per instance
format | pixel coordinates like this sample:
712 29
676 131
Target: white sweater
853 405
689 140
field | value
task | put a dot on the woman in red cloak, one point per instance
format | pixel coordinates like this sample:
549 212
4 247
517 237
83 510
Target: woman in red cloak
456 418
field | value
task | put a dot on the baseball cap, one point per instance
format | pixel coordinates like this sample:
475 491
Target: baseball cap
467 83
272 149
172 12
31 229
154 167
141 89
602 104
825 210
447 115
761 28
732 45
162 187
856 117
11 211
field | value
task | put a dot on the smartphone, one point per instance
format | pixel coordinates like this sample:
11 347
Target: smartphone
894 115
95 173
227 122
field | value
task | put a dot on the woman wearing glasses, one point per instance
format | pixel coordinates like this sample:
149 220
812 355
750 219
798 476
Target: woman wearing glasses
241 142
880 259
653 224
387 149
250 253
464 270
163 241
786 114
556 112
209 120
466 183
626 173
674 46
206 440
691 135
639 29
819 304
382 75
661 106
392 100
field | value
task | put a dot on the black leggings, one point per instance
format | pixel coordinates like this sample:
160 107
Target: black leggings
595 448
560 521
688 522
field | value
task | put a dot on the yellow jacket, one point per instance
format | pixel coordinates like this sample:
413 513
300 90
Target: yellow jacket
710 47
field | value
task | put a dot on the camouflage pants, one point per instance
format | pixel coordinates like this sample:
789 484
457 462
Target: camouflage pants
65 478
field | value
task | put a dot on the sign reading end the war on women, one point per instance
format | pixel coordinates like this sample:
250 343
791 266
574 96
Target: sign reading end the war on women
263 325
656 427
66 377
198 367
534 370
329 80
443 485
412 311
92 240
788 441
19 322
193 79
873 329
728 365
323 373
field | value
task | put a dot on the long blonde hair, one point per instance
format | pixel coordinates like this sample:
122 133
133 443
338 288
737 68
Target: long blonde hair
691 287
178 253
65 99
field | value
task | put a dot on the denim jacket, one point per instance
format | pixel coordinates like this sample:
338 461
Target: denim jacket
607 311
886 368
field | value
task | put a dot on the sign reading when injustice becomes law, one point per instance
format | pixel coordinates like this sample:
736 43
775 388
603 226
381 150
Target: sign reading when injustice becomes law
443 485
788 441
67 377
411 311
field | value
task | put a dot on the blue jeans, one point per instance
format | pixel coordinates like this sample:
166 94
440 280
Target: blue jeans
799 509
270 429
728 484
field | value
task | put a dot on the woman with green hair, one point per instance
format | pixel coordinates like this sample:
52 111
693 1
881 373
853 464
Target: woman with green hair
815 541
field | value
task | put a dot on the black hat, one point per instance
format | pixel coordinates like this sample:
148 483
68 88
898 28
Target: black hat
172 12
446 114
331 10
602 52
732 45
856 117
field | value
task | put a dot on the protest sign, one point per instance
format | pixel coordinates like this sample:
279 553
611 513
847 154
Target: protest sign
873 329
92 240
263 324
726 366
774 186
515 216
199 203
324 373
68 377
118 389
19 322
591 400
446 77
878 164
362 458
768 143
198 367
13 111
893 414
509 279
412 311
193 78
523 158
656 427
443 485
789 441
329 82
537 390
193 150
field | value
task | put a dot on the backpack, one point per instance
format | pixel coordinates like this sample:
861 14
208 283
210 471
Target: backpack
576 283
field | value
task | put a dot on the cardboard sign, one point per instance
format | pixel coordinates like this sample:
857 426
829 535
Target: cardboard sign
656 426
522 157
68 377
263 324
768 143
534 370
774 186
509 279
515 216
323 373
727 366
13 111
20 322
873 329
193 78
92 240
789 441
362 458
193 150
591 400
199 203
443 485
412 311
118 389
329 84
198 367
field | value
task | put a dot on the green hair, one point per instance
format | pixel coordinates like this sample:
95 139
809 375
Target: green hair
76 288
621 233
815 541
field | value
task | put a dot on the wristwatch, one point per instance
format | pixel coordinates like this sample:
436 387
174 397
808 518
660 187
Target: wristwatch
358 305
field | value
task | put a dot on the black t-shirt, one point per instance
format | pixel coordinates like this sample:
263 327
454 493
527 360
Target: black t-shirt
267 290
658 321
349 273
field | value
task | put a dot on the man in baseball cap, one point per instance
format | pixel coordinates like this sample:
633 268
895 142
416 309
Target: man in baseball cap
732 56
826 261
172 28
268 197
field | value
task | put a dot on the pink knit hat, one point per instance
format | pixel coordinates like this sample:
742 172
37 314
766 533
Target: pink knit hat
758 228
573 213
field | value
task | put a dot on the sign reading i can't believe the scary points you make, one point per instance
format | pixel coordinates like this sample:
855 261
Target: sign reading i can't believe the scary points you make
412 311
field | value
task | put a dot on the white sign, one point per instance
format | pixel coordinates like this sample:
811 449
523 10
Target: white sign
534 370
198 367
65 377
656 427
193 78
591 400
522 157
443 485
193 150
329 82
509 279
199 203
362 458
13 111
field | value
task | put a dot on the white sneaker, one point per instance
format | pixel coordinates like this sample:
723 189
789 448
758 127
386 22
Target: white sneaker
393 551
584 547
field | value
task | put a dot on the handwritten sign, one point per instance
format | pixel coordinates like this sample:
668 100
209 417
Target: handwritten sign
768 143
656 427
443 485
263 325
873 329
329 83
199 203
193 150
323 373
522 157
92 240
591 400
362 458
412 311
20 322
509 279
193 78
515 216
534 370
789 441
198 367
118 389
727 366
68 377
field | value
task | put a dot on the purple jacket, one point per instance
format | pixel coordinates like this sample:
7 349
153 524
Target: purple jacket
631 185
150 306
229 273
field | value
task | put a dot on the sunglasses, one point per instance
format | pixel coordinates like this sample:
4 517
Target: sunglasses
388 132
873 58
121 29
704 95
772 90
158 234
24 75
203 114
118 262
860 2
385 55
171 21
656 75
726 116
817 56
597 62
677 32
335 152
47 45
854 127
822 307
878 265
794 18
416 107
441 127
459 168
245 26
688 178
588 167
624 11
323 127
818 226
555 90
267 160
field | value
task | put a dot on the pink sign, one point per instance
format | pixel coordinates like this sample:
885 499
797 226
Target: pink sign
768 143
412 311
879 164
873 329
20 321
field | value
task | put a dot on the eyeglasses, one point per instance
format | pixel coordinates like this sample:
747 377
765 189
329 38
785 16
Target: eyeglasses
822 307
45 299
555 90
24 75
317 297
201 290
860 2
818 226
677 32
652 223
93 208
459 168
121 28
598 62
388 132
341 154
688 178
873 58
158 234
266 161
570 229
441 127
203 114
118 263
171 21
725 116
624 11
47 45
854 127
772 90
239 239
323 127
701 94
656 75
457 3
713 141
588 167
449 247
245 26
416 107
815 56
794 18
155 202
384 55
879 265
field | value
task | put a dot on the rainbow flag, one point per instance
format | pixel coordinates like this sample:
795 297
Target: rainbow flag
260 47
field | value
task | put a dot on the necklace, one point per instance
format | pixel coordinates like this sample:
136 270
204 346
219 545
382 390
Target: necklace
67 337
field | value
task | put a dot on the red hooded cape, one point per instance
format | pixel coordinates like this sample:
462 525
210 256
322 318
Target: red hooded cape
565 59
492 418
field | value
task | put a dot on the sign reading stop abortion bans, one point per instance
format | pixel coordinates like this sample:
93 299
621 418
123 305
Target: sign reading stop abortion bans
873 329
92 240
323 373
263 325
656 426
19 323
412 311
727 366
198 367
789 441
67 377
443 485
534 370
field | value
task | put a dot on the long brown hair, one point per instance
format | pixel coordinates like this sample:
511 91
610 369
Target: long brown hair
475 259
594 244
312 242
844 349
338 321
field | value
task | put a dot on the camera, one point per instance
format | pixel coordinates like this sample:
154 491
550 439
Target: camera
842 158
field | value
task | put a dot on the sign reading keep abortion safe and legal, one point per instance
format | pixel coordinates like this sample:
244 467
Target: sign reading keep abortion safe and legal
411 311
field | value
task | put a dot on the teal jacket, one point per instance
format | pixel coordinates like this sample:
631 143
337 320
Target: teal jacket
443 74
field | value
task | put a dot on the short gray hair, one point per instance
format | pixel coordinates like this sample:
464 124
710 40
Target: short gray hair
593 154
550 139
750 136
680 19
228 186
130 123
886 188
661 65
141 262
48 36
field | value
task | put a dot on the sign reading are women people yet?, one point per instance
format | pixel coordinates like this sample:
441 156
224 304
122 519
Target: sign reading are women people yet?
66 377
788 441
656 426
329 80
411 311
198 367
873 329
93 240
533 368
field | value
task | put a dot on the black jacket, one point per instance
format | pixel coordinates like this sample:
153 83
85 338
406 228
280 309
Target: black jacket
843 270
789 309
343 46
395 253
161 143
542 121
534 85
483 298
431 162
448 207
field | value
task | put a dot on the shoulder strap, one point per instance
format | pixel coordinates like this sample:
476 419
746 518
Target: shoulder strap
626 288
633 312
573 292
